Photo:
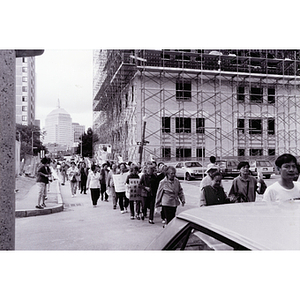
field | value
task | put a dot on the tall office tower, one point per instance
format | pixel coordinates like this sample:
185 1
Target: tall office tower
58 127
78 131
25 90
194 103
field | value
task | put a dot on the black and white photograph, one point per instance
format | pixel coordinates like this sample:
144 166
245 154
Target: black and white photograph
128 161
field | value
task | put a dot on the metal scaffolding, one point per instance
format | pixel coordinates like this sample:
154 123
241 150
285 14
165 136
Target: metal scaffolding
199 103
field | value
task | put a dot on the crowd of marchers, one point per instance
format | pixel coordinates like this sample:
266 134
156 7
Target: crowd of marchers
142 189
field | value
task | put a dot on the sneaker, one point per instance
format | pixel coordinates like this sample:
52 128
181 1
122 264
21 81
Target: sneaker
151 222
163 221
114 207
72 196
44 205
132 217
39 207
138 217
122 212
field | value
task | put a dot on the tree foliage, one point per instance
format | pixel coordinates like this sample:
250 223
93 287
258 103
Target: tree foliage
87 140
27 134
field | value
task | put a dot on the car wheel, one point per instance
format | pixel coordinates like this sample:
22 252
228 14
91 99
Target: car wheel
187 176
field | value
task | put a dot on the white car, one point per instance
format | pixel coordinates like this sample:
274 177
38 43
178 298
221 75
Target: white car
189 170
262 166
237 226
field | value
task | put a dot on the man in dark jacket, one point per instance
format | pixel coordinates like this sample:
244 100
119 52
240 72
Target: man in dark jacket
148 186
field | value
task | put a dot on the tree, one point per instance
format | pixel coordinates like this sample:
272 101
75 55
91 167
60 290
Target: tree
29 136
87 140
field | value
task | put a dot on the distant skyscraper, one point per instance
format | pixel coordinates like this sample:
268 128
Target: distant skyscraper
58 127
78 131
25 90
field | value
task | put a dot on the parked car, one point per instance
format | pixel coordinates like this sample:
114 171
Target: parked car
237 226
228 168
262 166
189 170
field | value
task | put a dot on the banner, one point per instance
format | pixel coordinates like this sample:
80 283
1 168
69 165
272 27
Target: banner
134 191
119 182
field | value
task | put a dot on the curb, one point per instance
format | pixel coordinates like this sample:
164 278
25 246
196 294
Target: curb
46 211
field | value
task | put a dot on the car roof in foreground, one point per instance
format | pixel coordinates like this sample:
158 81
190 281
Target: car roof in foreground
255 225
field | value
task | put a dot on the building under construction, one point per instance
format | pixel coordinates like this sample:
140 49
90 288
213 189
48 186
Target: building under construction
191 104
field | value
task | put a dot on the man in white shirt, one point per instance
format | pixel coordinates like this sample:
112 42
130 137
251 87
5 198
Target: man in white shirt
285 189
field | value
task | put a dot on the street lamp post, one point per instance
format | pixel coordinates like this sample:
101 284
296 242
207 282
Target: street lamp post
143 142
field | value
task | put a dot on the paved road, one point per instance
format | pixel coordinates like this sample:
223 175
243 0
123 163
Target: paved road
82 227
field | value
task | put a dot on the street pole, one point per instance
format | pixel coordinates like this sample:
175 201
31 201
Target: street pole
142 142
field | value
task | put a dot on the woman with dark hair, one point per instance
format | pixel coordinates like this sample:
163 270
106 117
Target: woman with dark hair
93 183
214 193
168 194
285 189
245 186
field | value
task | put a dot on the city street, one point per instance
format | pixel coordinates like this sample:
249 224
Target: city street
82 227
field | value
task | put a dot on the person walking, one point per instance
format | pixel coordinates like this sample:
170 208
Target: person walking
63 171
213 194
245 186
103 182
93 183
122 173
148 185
169 194
133 195
72 173
111 186
83 177
42 180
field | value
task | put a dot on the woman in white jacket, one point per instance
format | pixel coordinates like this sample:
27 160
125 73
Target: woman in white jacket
93 183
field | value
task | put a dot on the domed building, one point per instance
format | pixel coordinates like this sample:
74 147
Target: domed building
59 134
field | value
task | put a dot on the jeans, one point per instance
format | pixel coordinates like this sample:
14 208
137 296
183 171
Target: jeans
137 207
149 202
41 191
121 197
95 194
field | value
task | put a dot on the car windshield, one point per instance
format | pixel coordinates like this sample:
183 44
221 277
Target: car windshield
192 164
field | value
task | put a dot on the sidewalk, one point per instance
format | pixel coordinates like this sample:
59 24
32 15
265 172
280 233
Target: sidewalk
27 199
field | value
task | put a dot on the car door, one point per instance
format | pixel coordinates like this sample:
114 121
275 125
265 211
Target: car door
179 170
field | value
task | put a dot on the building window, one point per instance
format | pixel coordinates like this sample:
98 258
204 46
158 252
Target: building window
183 125
24 99
200 125
24 108
271 126
183 90
271 95
24 118
166 124
271 152
241 93
241 152
255 126
256 94
241 125
183 152
255 152
24 59
24 69
200 152
24 88
166 152
24 79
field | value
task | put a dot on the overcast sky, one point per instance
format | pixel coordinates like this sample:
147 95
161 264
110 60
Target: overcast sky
66 75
